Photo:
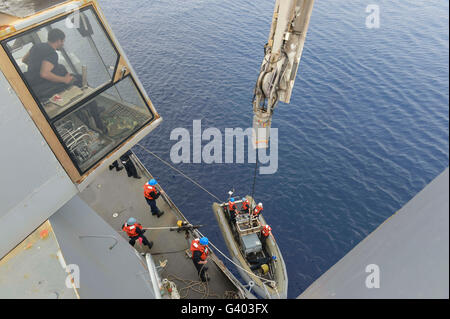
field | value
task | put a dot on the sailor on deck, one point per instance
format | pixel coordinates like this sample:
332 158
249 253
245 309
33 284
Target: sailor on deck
129 165
200 252
127 162
135 232
151 193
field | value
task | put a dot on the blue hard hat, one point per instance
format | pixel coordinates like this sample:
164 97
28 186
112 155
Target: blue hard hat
204 241
152 182
244 199
131 221
232 199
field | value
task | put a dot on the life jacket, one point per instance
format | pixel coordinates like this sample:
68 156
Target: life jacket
150 192
131 230
231 206
266 230
245 205
195 246
257 211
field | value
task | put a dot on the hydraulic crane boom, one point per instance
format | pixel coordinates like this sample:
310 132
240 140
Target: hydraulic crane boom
282 55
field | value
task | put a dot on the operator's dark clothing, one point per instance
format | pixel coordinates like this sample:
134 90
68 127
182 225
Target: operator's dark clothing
43 88
39 53
92 110
201 268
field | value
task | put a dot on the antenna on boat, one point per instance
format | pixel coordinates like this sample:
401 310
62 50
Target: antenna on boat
230 193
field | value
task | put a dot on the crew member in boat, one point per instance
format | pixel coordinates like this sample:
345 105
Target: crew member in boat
258 210
200 252
135 231
232 209
151 194
265 232
245 206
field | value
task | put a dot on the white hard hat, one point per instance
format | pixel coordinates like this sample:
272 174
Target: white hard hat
260 205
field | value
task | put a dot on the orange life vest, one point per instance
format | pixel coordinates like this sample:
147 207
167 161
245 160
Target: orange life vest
195 246
150 191
266 230
245 205
131 230
257 211
231 206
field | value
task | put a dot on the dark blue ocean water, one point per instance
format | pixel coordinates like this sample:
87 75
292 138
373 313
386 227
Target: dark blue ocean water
366 129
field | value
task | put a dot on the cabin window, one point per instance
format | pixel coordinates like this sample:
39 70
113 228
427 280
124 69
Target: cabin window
91 115
64 61
98 126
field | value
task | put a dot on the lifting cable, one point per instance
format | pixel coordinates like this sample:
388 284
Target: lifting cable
178 171
196 183
254 175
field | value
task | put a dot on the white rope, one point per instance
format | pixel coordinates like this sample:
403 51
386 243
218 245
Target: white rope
156 228
180 172
276 290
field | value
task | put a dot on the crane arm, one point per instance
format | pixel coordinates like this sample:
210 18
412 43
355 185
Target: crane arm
278 70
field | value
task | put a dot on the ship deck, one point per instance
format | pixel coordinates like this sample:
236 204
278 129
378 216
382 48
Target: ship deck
116 197
34 269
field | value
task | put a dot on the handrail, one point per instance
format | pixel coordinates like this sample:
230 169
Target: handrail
156 284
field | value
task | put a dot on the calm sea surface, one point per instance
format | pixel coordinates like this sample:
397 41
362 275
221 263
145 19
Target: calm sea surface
366 129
